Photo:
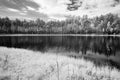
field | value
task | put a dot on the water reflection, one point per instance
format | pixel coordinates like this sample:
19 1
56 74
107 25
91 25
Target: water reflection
100 50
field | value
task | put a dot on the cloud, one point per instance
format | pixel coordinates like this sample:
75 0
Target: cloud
21 9
30 8
35 15
18 4
58 9
13 10
95 7
53 8
4 12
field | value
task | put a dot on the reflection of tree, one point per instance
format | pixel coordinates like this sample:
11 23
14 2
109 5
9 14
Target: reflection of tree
102 45
85 43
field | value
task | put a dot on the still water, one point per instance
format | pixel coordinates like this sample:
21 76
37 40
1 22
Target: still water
100 50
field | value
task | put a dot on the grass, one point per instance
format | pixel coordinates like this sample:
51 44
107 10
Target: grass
20 64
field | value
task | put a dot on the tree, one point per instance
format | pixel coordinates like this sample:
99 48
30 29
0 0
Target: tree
40 23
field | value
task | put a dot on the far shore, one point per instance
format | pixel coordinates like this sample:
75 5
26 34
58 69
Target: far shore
60 35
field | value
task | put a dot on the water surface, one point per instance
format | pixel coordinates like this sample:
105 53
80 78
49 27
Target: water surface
101 50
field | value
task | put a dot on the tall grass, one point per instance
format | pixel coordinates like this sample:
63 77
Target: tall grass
29 65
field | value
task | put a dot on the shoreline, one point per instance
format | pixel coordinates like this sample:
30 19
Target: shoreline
102 35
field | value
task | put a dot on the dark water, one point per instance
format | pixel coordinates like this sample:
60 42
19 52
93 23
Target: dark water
100 50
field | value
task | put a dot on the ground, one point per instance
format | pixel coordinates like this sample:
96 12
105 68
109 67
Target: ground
21 64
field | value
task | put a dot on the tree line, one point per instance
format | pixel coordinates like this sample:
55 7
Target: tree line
104 24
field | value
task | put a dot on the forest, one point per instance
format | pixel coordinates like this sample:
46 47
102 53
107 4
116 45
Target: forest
104 24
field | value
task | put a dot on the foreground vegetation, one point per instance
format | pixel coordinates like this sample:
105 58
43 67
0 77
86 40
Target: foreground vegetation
19 64
107 24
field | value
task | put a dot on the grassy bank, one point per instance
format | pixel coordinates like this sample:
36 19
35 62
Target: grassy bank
20 64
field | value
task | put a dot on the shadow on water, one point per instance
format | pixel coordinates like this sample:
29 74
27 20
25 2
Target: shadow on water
100 50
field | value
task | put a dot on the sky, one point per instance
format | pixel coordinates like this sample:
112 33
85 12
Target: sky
57 9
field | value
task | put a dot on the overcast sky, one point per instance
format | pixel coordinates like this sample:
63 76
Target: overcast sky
56 9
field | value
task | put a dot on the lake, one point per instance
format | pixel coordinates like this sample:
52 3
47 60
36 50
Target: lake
101 50
59 57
